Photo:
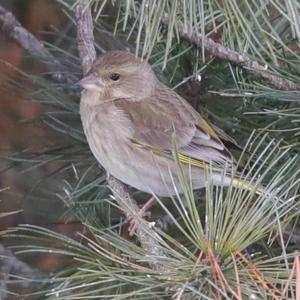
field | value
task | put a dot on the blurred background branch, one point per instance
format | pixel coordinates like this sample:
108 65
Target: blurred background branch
12 28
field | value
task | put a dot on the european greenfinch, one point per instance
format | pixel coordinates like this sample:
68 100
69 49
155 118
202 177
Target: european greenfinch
132 122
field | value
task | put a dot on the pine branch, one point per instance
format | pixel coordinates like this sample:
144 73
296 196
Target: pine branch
223 52
13 29
85 40
85 36
131 209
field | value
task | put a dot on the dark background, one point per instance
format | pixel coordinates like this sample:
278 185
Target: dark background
27 188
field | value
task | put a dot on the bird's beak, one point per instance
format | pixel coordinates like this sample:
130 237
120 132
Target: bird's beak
91 82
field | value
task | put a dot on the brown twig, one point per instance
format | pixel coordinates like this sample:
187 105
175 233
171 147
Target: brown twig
218 274
237 277
213 263
179 294
297 270
13 29
85 40
220 51
260 278
291 275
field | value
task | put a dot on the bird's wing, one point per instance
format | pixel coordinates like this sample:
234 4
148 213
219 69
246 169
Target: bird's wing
226 139
157 119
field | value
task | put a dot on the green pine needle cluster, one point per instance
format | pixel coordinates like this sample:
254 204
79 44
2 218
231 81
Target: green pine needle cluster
225 248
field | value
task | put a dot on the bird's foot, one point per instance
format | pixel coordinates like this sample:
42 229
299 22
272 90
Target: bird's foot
142 213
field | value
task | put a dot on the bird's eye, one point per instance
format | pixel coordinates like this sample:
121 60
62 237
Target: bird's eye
114 76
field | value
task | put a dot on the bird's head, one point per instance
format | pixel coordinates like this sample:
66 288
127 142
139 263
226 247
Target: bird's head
119 74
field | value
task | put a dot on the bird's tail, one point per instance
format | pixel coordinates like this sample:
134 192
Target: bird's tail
237 181
251 187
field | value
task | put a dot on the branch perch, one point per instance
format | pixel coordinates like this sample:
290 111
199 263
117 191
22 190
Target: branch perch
85 40
144 232
85 36
220 51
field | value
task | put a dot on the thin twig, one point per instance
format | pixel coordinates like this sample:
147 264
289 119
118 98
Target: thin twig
297 269
218 272
212 262
237 277
290 278
13 29
220 51
260 278
179 294
85 39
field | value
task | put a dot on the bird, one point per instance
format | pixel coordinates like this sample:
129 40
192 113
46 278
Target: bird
133 122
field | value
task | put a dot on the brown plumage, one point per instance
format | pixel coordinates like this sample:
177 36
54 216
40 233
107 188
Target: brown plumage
130 119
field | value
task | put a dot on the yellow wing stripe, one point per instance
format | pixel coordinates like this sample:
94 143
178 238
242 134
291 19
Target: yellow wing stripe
192 161
207 129
200 164
182 157
247 186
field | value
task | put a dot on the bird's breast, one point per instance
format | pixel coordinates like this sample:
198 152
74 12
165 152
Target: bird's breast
107 129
